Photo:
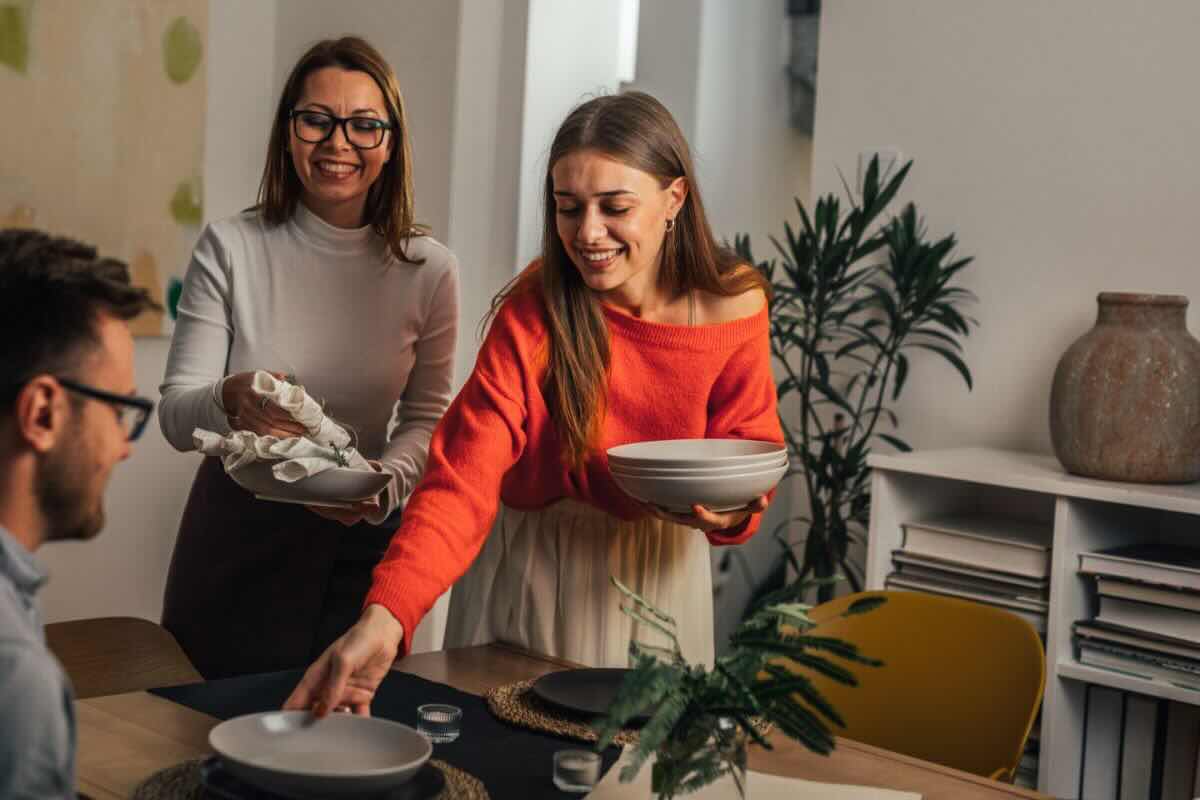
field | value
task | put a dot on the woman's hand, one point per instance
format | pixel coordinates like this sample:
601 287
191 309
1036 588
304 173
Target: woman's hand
709 521
351 669
347 516
248 411
356 513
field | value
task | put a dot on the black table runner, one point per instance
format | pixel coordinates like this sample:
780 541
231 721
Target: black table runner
512 762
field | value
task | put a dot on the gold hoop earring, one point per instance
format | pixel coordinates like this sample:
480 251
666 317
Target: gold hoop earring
670 225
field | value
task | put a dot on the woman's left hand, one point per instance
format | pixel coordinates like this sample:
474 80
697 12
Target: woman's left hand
353 514
707 520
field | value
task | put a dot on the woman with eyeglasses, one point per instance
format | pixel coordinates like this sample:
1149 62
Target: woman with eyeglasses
328 279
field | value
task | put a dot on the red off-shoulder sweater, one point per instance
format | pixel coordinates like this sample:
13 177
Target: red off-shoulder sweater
497 441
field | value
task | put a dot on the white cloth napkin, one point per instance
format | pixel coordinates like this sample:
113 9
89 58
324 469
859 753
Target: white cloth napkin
759 786
296 457
301 407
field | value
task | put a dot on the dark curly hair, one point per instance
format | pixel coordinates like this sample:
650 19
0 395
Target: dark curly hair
52 291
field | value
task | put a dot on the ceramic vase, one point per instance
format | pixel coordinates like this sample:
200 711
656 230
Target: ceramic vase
1125 403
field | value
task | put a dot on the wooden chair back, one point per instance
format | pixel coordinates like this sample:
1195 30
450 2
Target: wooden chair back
112 655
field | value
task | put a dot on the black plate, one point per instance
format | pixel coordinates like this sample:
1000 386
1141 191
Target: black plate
220 784
588 691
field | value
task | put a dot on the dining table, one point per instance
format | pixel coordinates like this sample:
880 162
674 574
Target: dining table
125 738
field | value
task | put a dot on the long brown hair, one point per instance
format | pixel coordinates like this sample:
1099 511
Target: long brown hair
637 130
389 206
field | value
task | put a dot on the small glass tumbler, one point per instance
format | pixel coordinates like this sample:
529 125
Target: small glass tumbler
439 723
576 770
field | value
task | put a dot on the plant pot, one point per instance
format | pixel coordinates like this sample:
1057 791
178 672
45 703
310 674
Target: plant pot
1125 403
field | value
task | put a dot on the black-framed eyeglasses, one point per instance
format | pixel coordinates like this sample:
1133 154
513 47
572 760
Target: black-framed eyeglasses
132 411
314 127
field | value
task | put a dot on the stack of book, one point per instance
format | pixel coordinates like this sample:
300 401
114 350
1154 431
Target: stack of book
1000 561
1138 748
1148 618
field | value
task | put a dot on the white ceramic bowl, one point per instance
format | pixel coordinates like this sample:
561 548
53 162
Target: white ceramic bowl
342 755
333 487
700 472
696 453
718 493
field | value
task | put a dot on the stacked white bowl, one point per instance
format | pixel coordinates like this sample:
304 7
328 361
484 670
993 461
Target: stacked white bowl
719 474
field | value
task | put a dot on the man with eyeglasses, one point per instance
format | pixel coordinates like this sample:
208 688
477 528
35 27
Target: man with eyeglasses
68 413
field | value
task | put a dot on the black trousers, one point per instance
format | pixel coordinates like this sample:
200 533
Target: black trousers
259 586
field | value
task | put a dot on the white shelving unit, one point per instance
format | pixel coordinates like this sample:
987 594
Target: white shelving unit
1080 515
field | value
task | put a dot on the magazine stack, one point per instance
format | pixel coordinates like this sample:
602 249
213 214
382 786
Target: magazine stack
1001 561
1147 621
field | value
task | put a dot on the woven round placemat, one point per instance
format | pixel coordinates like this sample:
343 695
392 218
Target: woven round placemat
516 703
182 782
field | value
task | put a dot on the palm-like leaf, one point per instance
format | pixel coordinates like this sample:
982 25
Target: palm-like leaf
856 298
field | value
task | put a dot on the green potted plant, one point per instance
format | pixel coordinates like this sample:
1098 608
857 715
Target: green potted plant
701 721
853 297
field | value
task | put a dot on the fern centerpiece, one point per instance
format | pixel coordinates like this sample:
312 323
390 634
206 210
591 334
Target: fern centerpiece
701 720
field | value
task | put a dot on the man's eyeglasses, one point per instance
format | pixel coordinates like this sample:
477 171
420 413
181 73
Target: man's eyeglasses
314 127
132 411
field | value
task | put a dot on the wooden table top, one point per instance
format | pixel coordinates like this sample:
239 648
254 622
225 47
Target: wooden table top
127 737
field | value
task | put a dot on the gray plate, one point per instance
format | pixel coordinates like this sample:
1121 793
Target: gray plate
588 691
342 755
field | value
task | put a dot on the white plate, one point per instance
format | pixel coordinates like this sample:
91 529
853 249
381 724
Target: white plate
339 486
695 453
293 753
718 493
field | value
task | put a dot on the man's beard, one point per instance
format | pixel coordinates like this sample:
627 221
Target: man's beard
61 489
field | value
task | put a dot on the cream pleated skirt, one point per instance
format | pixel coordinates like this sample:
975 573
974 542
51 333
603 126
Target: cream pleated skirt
542 582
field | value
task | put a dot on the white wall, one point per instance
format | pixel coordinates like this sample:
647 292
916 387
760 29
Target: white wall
1057 140
123 571
752 163
572 49
668 58
485 163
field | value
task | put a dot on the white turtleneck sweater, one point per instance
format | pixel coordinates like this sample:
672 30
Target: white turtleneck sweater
370 335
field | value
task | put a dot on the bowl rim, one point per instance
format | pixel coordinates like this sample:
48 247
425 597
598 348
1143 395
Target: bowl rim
747 474
377 772
702 471
770 449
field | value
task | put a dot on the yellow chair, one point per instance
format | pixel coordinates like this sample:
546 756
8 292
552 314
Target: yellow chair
112 655
960 686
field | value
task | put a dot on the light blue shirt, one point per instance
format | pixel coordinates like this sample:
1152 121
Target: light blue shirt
37 715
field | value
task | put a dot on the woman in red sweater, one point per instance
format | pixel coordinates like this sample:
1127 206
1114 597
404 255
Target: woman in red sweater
634 325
